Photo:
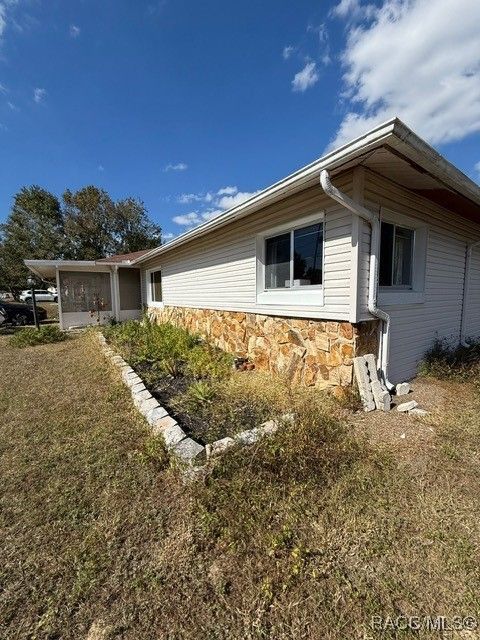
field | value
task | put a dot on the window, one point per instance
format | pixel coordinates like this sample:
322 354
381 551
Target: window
396 256
295 258
156 286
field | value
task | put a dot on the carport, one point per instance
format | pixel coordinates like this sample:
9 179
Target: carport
92 292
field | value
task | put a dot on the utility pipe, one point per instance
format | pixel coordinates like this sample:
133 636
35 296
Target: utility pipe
374 221
466 286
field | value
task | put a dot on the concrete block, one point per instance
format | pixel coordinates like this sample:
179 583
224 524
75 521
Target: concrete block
140 397
372 366
268 427
402 389
147 405
172 435
166 422
157 413
132 379
136 388
126 371
363 381
189 452
381 396
416 411
407 406
220 446
117 359
248 437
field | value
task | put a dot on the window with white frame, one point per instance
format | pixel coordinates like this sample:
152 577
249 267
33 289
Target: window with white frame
294 258
396 256
155 285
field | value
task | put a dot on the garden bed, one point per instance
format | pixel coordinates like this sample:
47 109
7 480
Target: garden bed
195 381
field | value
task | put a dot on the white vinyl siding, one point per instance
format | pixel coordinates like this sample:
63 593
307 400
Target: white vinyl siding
219 271
414 327
472 327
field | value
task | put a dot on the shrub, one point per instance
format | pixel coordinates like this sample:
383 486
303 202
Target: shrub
30 337
165 350
149 343
445 362
205 361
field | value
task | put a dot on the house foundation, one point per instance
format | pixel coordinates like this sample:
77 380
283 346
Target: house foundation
309 352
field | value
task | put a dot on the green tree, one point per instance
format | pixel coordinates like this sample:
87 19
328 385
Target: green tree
34 229
96 226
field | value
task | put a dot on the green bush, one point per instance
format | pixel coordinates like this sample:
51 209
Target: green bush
30 337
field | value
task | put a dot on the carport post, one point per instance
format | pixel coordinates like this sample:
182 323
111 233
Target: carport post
59 298
31 282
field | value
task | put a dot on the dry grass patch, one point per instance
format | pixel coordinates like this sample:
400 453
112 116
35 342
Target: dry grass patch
305 535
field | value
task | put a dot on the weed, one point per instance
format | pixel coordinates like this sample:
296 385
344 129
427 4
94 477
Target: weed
442 361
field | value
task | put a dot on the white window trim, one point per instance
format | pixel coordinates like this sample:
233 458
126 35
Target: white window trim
309 295
394 295
150 302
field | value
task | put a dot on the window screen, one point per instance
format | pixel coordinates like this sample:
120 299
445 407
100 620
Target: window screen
85 291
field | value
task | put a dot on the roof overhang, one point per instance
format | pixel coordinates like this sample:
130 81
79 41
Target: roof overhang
393 134
47 269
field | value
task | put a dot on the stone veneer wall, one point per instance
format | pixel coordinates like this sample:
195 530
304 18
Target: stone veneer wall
311 352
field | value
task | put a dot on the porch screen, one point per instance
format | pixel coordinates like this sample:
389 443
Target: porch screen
81 291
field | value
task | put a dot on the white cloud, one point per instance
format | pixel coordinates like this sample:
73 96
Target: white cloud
352 10
188 219
180 166
477 168
287 52
74 31
227 202
3 88
418 60
187 198
305 78
221 200
12 106
39 95
101 168
167 236
227 191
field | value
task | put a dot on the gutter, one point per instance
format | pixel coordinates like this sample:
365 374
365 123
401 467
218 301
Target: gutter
466 287
374 221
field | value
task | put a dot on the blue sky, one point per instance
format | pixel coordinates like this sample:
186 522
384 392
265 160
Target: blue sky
192 106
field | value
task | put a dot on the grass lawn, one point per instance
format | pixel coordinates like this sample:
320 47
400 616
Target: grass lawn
306 535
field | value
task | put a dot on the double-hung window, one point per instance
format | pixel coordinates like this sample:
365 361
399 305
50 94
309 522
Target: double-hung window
396 256
294 259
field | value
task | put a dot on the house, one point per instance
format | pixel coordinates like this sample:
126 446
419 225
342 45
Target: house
375 247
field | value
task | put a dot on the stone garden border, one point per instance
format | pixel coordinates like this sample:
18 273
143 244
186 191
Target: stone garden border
185 450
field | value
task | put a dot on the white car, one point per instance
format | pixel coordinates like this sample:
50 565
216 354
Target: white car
41 295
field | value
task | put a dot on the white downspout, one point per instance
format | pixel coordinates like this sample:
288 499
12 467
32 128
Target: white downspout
466 286
374 222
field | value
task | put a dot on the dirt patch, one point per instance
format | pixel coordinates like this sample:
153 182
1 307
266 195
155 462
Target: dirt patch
407 435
